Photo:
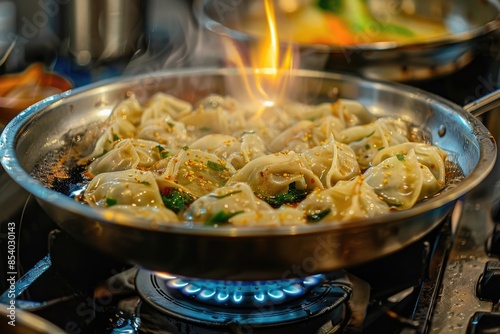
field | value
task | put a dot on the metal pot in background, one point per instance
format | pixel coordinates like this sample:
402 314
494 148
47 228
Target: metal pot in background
469 22
103 31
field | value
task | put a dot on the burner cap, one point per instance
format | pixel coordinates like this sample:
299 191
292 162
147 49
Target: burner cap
262 306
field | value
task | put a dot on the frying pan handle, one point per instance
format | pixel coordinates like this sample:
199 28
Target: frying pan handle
484 104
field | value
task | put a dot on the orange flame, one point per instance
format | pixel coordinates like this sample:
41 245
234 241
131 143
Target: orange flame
270 66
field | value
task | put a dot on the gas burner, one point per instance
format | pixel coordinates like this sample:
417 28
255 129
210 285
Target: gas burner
286 306
241 293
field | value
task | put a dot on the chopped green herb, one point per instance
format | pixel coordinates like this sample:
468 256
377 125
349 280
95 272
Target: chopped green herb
175 199
225 195
170 124
221 217
388 199
400 157
111 201
381 148
216 166
185 148
291 197
316 217
367 147
369 135
205 129
163 152
145 183
115 137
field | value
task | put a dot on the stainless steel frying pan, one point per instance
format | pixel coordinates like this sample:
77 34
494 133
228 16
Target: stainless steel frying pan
244 253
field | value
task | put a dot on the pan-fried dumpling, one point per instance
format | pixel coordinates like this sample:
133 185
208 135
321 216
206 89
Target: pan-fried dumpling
195 172
167 132
268 123
223 203
352 112
128 187
151 214
128 154
129 109
219 144
332 162
347 112
428 155
329 125
119 129
207 120
215 101
401 180
367 140
276 174
282 216
297 138
165 106
252 147
345 201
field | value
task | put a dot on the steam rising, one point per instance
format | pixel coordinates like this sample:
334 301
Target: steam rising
175 41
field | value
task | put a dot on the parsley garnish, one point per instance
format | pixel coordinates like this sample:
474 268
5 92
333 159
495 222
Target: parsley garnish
400 157
175 199
185 148
115 137
291 197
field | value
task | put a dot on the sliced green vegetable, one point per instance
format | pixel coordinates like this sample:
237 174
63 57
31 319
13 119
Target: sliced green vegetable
222 217
216 166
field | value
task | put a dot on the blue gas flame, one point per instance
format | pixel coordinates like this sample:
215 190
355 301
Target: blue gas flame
241 293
